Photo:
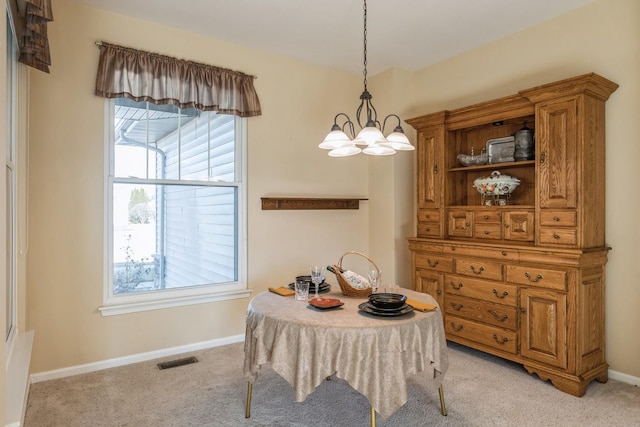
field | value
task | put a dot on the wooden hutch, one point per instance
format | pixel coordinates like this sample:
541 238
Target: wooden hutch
524 281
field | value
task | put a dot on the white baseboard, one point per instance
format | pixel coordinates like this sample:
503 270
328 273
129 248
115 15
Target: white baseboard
625 378
135 358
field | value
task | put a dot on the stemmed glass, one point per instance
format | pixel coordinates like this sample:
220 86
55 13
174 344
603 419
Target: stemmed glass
316 278
375 280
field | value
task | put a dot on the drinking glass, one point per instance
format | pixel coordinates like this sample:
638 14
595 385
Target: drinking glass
375 280
302 290
316 278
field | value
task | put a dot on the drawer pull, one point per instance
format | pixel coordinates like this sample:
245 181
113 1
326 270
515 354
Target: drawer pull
504 294
543 156
528 276
504 253
555 218
498 317
480 270
500 341
486 217
433 264
428 230
555 236
454 286
456 307
455 327
486 232
439 292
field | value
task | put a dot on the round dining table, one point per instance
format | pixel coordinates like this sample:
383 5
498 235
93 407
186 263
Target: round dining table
374 354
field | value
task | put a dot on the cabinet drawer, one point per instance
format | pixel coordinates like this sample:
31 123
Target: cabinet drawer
492 252
479 268
428 215
534 276
485 312
487 231
491 336
434 262
428 229
460 223
483 217
558 236
485 290
558 218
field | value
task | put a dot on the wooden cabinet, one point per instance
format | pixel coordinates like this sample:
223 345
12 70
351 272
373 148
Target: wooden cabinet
524 279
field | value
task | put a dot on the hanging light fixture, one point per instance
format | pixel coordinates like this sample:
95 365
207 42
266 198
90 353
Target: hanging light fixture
371 134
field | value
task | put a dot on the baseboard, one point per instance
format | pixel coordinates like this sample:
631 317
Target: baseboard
625 378
135 358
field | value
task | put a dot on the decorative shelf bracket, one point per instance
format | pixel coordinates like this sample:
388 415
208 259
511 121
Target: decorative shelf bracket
308 203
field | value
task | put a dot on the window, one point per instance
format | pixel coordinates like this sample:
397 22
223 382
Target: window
11 173
175 195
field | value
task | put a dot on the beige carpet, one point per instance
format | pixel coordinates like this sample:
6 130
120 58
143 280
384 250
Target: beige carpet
480 390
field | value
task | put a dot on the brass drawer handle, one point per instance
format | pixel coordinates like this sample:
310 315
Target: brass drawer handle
480 270
454 286
486 217
435 169
456 328
439 292
555 236
498 317
486 232
555 218
504 253
543 156
528 276
502 341
504 294
432 264
456 307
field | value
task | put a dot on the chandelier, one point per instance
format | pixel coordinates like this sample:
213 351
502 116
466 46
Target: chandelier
371 135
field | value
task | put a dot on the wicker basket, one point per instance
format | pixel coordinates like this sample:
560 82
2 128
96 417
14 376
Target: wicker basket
345 286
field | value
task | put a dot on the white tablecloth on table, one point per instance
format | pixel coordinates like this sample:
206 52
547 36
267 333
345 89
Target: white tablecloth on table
375 355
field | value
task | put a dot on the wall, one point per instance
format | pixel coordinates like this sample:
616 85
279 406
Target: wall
66 204
601 37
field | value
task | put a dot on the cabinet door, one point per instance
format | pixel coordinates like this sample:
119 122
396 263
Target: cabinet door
518 225
556 151
460 223
430 149
430 282
543 326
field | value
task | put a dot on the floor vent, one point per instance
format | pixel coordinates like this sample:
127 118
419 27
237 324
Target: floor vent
177 362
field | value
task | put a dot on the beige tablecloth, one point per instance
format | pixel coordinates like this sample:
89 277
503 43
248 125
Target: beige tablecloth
375 355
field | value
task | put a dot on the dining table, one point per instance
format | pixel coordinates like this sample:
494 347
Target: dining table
375 354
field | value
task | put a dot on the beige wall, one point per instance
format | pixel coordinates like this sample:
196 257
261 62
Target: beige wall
601 37
66 163
65 265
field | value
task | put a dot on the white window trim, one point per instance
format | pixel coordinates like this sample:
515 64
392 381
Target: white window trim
123 304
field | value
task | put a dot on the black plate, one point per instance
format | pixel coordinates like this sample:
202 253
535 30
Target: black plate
386 310
368 308
324 287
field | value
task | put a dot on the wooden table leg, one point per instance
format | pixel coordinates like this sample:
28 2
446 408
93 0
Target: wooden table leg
373 417
443 409
247 409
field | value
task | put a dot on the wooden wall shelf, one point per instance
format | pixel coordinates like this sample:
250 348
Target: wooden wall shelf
308 203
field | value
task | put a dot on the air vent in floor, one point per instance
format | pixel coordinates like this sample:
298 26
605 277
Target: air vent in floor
177 362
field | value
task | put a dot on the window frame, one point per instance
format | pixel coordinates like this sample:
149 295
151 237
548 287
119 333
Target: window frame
114 304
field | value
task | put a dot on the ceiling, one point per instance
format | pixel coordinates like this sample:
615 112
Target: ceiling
407 34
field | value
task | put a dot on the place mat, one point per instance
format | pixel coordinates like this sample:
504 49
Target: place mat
421 306
285 292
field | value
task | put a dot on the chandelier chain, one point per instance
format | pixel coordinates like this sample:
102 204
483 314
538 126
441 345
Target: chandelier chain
365 45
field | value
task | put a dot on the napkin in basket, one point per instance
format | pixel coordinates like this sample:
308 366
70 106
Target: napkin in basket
421 306
284 291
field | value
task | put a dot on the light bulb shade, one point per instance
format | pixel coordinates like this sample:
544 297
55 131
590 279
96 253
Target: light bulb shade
398 141
369 135
344 151
335 139
379 150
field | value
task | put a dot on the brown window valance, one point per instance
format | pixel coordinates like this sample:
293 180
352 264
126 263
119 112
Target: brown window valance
30 18
143 76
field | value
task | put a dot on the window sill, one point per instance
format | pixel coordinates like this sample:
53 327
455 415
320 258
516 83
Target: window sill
135 307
